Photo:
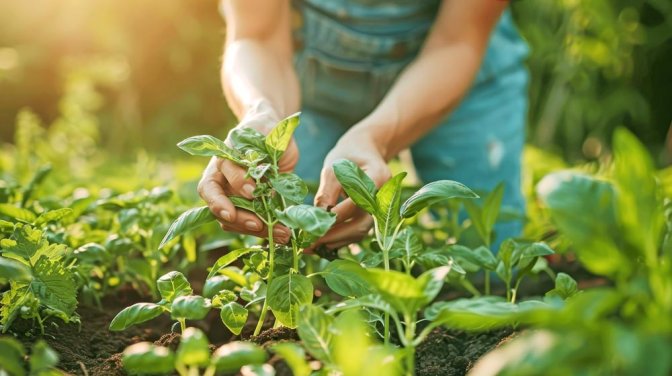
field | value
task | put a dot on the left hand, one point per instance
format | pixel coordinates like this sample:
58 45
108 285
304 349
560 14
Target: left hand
352 223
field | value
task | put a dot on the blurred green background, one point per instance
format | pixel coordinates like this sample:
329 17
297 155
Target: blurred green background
145 74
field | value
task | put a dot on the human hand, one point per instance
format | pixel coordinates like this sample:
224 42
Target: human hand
352 223
223 178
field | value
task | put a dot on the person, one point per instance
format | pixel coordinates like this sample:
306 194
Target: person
372 78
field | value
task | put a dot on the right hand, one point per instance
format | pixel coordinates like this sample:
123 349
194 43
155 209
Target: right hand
223 178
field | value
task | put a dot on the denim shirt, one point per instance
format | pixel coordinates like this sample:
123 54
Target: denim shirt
351 51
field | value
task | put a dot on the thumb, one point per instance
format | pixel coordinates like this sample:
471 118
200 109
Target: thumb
329 189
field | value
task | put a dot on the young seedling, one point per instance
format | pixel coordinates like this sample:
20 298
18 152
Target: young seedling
193 354
177 299
385 204
42 360
402 298
341 343
277 200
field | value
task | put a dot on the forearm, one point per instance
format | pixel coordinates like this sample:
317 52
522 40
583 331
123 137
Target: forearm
433 85
424 93
255 77
258 74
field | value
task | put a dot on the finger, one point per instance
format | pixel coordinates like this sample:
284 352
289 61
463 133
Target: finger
235 176
289 158
348 232
346 210
248 223
329 189
212 192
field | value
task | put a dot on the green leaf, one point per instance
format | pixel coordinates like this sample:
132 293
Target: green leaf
20 214
278 139
143 356
639 202
42 357
217 283
53 216
12 356
484 218
26 242
484 313
388 202
480 256
584 210
403 292
188 221
234 355
35 181
291 187
356 184
228 258
173 285
135 314
208 146
295 357
54 286
408 244
259 171
286 294
374 301
193 349
257 370
248 138
12 270
565 286
243 203
234 316
190 307
310 219
314 331
346 278
15 300
432 193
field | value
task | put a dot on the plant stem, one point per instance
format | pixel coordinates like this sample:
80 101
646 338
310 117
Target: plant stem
470 287
386 329
296 253
410 347
183 324
271 262
210 371
508 290
487 282
515 290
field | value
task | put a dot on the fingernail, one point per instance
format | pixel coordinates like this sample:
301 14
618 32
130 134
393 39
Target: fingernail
225 215
280 233
249 189
252 226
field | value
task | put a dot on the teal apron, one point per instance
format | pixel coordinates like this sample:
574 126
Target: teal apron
349 52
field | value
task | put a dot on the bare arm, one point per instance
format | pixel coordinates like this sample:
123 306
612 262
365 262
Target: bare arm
429 88
436 81
261 88
257 65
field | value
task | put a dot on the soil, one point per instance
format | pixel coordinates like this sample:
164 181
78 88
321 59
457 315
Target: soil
91 349
452 353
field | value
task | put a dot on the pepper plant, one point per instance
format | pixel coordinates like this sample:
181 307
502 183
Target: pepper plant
278 199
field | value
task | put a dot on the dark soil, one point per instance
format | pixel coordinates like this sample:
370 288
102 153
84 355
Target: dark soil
84 350
452 353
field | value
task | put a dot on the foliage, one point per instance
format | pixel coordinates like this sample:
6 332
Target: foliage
621 236
192 354
15 361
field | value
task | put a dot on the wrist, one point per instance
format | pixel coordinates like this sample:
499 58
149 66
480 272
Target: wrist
377 134
261 115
